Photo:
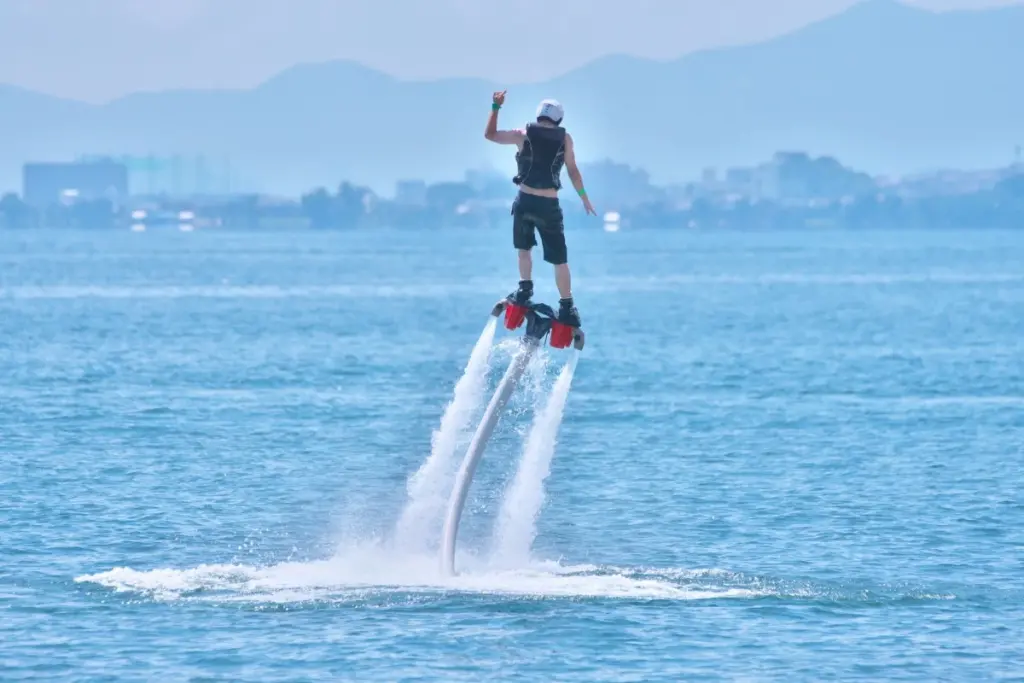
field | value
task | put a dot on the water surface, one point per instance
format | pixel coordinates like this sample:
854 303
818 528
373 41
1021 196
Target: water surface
785 456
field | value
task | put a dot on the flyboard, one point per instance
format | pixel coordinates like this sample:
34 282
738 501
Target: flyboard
540 321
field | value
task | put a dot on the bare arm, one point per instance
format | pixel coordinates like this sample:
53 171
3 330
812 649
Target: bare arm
502 137
506 137
570 165
574 173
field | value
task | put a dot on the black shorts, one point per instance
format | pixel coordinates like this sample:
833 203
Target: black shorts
532 214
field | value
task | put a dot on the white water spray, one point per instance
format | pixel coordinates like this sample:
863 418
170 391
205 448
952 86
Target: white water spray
419 526
516 525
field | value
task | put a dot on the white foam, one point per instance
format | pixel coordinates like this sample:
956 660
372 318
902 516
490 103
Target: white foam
418 528
374 571
516 524
435 290
227 291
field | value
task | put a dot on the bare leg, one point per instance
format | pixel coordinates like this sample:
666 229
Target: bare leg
563 281
525 264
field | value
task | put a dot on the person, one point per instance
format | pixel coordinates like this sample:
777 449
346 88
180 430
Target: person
543 148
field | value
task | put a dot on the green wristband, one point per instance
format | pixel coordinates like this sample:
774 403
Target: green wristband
495 106
582 192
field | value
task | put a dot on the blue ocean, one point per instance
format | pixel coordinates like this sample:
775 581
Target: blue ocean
779 457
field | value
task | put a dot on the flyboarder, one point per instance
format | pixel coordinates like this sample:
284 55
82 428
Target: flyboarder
543 148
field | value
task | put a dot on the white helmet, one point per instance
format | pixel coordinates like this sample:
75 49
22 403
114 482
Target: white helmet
552 109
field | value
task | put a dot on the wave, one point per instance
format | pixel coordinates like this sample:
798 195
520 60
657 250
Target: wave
436 289
376 571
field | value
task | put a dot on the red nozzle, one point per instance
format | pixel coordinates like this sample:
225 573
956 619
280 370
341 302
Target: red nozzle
514 315
561 335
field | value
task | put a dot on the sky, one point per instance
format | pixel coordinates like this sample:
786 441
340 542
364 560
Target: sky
98 50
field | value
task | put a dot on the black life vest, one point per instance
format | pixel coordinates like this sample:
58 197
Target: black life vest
541 158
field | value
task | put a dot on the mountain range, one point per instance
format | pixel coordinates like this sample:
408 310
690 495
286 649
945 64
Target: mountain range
883 86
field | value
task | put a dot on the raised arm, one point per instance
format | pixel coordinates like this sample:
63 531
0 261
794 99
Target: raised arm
502 137
574 174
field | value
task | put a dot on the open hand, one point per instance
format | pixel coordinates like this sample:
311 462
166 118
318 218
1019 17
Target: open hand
499 97
588 206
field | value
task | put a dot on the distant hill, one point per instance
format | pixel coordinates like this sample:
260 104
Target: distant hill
884 87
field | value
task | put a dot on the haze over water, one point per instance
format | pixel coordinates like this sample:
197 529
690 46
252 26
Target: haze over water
783 456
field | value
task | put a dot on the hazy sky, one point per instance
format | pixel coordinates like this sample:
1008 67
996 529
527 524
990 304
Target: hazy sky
96 50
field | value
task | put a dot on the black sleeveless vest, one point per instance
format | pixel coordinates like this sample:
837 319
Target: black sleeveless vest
541 158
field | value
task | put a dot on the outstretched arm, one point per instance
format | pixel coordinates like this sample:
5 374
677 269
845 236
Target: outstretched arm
502 137
574 174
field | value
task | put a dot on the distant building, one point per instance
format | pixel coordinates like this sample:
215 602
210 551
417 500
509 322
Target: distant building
619 185
489 184
44 184
709 178
411 192
760 182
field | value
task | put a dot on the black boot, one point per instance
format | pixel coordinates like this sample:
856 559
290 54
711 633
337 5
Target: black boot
522 295
567 313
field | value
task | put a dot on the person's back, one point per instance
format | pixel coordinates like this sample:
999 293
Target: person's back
544 148
540 159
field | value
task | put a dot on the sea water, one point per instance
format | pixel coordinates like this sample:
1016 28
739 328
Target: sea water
783 456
